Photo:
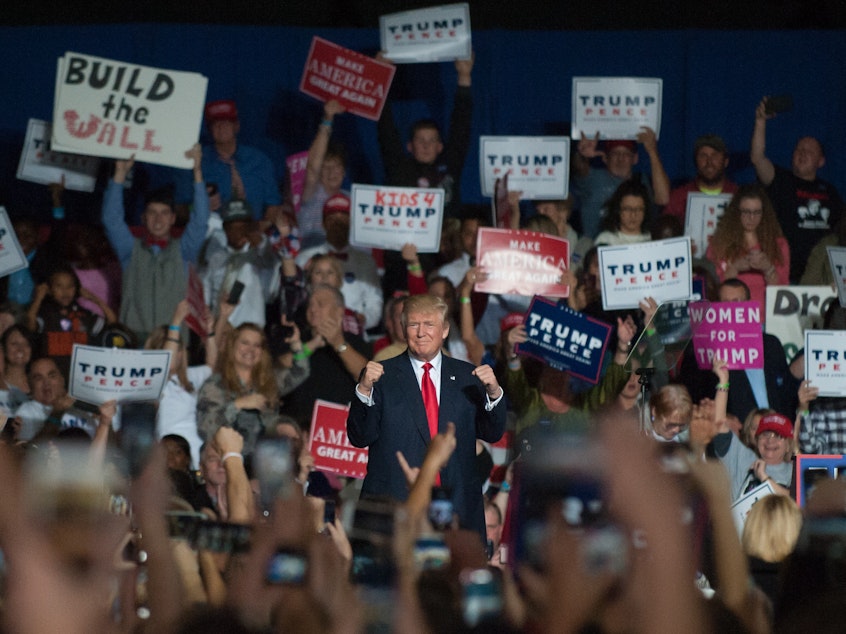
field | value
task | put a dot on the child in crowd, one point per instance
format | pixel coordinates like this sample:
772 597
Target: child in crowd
59 320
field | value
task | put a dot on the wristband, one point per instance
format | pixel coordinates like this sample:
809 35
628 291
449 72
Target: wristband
327 123
414 268
174 340
504 487
463 300
231 454
173 328
650 331
58 212
723 387
211 334
803 412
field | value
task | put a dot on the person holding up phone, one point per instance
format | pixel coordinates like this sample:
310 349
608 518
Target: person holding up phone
807 207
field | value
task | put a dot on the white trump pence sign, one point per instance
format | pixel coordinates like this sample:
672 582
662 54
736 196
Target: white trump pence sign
103 374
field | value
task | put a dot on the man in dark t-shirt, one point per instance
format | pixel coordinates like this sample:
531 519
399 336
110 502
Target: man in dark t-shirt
808 207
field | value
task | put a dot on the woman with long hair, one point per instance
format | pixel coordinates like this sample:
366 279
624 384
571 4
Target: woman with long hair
626 221
748 243
244 391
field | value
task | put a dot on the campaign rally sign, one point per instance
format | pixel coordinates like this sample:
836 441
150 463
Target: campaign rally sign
433 34
743 505
522 262
659 269
731 331
12 257
811 468
329 445
358 82
296 164
616 107
104 107
565 339
672 320
40 164
837 261
700 221
825 361
388 217
103 374
791 310
539 166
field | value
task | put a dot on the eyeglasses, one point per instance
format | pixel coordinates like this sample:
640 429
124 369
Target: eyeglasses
676 427
768 435
633 210
751 212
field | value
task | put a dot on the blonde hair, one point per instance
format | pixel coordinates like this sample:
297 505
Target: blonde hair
747 433
672 398
772 528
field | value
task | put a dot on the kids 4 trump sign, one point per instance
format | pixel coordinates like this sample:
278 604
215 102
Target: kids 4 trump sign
616 107
731 331
521 262
104 107
434 34
387 217
103 374
659 269
329 445
12 257
565 339
537 166
358 82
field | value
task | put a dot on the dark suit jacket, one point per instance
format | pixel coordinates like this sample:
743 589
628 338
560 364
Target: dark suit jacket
781 385
397 421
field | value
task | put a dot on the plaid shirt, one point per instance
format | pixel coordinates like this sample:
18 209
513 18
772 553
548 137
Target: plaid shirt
823 431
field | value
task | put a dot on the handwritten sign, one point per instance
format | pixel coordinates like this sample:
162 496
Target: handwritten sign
12 257
538 166
329 445
40 164
98 374
825 361
522 262
104 107
659 269
616 107
565 339
703 212
388 217
791 310
358 82
731 331
837 262
296 164
434 34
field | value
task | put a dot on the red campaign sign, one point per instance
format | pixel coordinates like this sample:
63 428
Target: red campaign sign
358 82
196 318
522 262
329 445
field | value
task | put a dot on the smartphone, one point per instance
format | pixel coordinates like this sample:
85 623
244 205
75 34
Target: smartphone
481 596
329 512
273 464
287 566
184 524
137 433
317 486
82 406
431 552
235 293
778 104
222 537
440 509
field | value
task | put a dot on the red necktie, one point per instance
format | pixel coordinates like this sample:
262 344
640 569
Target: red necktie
430 403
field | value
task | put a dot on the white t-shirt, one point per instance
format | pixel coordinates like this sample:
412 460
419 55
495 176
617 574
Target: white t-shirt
178 409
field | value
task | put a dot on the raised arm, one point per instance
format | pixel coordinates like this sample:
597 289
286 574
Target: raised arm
114 222
660 180
764 168
195 231
317 151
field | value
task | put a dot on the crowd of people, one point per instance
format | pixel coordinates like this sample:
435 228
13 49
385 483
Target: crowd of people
501 494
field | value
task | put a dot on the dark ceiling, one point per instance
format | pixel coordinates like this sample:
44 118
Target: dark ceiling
487 14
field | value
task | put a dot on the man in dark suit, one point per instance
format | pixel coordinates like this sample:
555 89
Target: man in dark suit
389 415
774 387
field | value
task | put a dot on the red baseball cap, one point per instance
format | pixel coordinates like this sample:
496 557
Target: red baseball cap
778 423
337 204
612 144
511 320
221 110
